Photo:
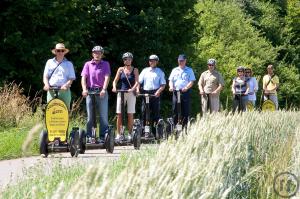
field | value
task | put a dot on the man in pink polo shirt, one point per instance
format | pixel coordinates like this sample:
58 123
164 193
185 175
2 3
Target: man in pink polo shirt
95 77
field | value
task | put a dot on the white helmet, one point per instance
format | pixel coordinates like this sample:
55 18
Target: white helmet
127 55
98 49
153 57
212 62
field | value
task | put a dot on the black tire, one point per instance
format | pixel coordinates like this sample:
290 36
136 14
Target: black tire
160 130
82 141
44 143
137 138
109 140
74 143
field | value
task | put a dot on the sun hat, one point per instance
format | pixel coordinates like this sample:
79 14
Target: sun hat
60 46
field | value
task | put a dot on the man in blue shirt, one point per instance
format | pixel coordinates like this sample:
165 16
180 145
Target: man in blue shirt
181 78
153 81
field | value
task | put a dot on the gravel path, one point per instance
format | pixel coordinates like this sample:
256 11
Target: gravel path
12 170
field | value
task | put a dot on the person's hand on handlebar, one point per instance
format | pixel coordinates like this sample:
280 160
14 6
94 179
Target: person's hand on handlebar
185 89
84 93
46 87
171 89
64 87
157 93
102 93
114 89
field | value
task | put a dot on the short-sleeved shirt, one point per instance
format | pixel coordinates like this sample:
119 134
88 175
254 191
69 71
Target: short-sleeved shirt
63 72
181 77
253 87
210 81
152 78
272 84
95 73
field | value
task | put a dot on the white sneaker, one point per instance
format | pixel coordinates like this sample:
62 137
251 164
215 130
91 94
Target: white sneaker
117 137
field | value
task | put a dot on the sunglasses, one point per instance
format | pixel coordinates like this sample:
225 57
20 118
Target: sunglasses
60 51
127 59
152 60
210 64
247 72
240 71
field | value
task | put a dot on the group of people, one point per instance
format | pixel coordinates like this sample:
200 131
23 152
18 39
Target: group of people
95 76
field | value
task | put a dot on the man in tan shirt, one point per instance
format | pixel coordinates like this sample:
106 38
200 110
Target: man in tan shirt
210 85
270 85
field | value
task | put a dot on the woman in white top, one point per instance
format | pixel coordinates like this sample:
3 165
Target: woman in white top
253 85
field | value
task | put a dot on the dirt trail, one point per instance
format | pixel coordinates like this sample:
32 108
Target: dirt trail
11 170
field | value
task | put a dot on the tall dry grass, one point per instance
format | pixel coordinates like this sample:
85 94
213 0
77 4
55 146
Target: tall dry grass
14 105
233 156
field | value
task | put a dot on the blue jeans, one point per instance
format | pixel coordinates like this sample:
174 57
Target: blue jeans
102 108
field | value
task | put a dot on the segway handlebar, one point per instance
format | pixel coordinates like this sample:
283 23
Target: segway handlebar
122 91
54 88
146 95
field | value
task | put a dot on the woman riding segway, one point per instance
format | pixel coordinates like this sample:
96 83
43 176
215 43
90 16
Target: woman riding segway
128 76
240 90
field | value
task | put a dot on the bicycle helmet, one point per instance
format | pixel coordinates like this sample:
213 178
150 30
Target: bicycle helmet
127 55
153 57
212 62
98 49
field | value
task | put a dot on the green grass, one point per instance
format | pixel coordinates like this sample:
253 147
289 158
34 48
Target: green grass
11 143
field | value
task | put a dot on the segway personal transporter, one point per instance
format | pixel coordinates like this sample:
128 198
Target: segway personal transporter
94 142
147 135
268 105
136 130
55 138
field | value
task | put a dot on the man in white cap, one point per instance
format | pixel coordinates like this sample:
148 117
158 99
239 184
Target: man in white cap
210 85
181 79
153 82
59 72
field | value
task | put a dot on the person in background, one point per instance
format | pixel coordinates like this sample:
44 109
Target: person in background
210 85
240 90
152 81
181 78
270 85
253 85
59 72
129 78
95 77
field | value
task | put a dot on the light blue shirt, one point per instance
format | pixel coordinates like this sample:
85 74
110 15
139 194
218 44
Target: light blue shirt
253 88
63 73
152 78
181 77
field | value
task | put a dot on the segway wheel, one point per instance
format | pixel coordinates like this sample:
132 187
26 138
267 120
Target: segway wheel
136 138
44 143
109 140
82 141
74 143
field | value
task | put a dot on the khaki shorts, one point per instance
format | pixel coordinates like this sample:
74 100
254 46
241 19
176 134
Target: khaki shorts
129 99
